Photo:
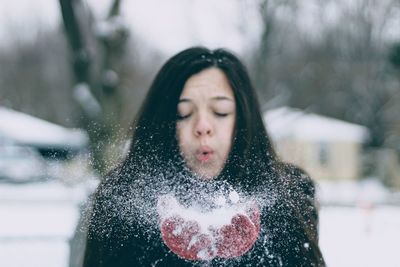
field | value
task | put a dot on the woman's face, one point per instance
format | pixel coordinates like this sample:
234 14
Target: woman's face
206 122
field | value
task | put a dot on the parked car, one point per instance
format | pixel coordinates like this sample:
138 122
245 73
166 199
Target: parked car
21 164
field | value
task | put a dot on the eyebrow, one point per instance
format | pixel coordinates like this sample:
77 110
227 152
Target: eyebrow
216 98
222 98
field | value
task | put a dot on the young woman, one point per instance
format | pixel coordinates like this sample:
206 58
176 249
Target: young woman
201 184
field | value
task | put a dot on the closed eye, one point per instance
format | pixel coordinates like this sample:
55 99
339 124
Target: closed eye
180 117
218 114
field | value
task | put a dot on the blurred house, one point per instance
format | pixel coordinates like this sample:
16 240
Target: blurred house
326 148
386 166
51 140
30 140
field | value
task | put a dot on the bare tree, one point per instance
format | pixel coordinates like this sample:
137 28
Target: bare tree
30 73
269 44
341 72
97 49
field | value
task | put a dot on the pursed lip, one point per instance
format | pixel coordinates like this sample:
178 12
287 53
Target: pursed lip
204 153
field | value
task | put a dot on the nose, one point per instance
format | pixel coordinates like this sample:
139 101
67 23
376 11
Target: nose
203 126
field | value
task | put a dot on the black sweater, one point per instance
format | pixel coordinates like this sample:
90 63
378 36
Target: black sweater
288 236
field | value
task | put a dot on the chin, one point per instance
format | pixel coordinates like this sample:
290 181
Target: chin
206 174
207 177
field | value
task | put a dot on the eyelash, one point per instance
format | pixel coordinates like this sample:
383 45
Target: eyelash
220 115
181 118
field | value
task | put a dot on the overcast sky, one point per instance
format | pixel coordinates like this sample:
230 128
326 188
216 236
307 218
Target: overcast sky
173 25
166 25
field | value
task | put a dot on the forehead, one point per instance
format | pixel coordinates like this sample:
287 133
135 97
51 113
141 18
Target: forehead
208 83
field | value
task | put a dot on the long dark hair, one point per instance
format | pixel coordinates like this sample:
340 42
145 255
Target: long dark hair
154 126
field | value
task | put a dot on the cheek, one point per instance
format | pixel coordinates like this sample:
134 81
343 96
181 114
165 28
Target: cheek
226 136
231 131
183 136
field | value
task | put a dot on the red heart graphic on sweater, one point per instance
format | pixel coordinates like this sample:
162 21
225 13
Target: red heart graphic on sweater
186 238
237 238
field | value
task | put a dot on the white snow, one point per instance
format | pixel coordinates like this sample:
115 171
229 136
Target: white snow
356 193
220 201
234 197
169 207
36 223
34 253
360 237
23 128
49 192
37 220
364 230
285 122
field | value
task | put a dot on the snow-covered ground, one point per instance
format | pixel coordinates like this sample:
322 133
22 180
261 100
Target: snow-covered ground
367 237
37 221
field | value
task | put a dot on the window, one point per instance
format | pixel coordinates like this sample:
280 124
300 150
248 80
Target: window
323 154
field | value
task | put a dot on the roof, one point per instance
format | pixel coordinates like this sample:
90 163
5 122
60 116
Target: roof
25 129
285 122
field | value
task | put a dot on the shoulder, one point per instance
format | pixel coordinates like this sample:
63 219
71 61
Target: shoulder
298 178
